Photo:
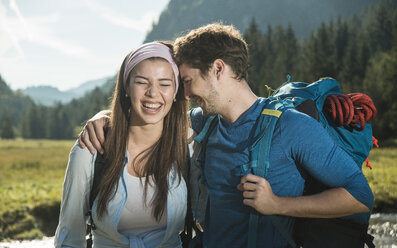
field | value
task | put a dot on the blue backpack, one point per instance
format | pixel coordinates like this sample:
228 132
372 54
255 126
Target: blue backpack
309 99
356 143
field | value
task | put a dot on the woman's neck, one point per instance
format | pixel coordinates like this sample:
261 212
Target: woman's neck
144 136
140 138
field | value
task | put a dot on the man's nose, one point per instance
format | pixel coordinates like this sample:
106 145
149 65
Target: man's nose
187 93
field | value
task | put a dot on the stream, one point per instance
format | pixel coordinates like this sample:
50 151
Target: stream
382 226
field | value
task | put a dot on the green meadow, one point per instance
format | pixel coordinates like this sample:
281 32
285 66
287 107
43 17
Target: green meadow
31 177
383 177
32 172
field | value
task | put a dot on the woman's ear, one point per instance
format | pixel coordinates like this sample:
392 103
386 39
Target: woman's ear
126 86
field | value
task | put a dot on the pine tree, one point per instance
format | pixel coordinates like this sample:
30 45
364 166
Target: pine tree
287 55
380 31
341 41
254 38
380 84
267 69
7 131
25 126
33 123
54 125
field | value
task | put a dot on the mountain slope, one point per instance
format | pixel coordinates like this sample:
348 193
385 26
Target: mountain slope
303 15
48 95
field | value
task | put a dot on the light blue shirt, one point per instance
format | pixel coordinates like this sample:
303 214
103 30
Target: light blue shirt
75 203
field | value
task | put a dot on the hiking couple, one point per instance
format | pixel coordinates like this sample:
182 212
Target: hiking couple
142 198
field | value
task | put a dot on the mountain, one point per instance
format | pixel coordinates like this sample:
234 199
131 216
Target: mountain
87 86
48 95
303 15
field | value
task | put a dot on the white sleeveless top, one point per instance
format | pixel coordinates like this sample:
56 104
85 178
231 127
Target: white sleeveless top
137 217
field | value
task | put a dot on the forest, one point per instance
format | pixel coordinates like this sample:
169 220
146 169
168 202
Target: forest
359 51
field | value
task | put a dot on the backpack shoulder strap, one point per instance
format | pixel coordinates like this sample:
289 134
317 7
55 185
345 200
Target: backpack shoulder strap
99 168
199 194
209 125
260 151
202 138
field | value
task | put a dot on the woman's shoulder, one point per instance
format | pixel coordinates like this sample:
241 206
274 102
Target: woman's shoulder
80 160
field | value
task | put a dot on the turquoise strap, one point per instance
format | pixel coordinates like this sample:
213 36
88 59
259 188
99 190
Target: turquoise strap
264 134
203 134
253 229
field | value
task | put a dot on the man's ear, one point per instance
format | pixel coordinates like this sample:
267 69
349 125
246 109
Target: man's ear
218 67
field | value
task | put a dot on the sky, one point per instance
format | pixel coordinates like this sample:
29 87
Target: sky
64 43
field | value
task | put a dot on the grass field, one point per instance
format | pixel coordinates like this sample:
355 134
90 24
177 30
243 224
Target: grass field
383 177
32 172
31 177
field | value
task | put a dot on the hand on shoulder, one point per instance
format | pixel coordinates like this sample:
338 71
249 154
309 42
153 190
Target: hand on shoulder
93 136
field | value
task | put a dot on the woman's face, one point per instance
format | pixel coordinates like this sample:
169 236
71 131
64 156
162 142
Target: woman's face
151 89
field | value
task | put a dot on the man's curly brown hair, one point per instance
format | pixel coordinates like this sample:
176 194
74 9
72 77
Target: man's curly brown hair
202 46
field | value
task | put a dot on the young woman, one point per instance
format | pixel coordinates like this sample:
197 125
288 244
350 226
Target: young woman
142 195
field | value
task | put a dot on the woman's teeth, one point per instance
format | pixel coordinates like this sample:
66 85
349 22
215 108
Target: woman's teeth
152 105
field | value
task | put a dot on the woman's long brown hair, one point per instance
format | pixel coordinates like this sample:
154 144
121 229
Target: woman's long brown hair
168 152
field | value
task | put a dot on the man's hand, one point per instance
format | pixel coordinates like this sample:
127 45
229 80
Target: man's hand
258 194
331 203
92 136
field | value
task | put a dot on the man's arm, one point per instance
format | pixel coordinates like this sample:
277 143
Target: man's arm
331 203
325 161
92 136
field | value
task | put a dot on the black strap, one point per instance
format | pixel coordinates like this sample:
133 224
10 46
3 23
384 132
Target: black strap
186 234
99 168
369 240
98 172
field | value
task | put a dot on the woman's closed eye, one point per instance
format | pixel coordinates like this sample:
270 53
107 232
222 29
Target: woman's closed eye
165 84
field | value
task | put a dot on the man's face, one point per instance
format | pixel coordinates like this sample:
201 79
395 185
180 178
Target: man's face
200 89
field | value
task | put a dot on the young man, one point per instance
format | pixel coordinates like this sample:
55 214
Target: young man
213 63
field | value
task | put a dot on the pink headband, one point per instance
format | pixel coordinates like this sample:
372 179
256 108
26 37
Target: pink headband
150 50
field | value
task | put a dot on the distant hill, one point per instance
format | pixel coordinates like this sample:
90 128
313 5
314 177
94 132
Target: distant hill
303 15
87 86
48 95
33 119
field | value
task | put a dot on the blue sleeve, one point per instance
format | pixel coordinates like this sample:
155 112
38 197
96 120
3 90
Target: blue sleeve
309 145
